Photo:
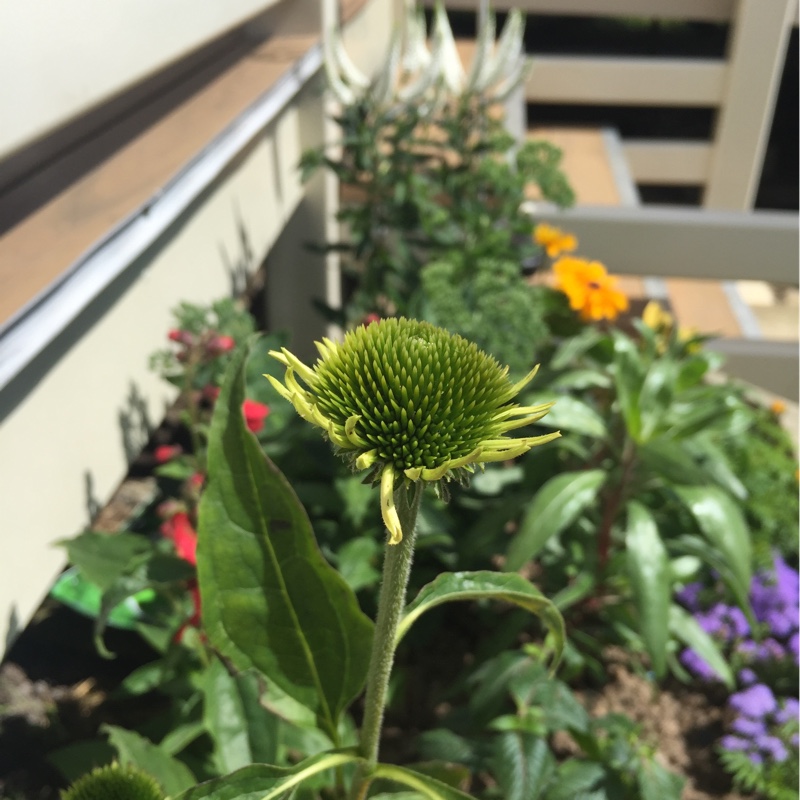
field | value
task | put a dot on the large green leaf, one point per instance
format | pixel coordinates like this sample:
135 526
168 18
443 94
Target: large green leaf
576 779
570 414
173 775
723 524
486 585
265 782
270 600
556 505
686 628
649 572
426 786
243 731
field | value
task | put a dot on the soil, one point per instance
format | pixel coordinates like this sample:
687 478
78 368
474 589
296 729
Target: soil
682 722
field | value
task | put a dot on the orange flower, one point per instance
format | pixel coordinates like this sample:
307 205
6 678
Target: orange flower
590 289
554 240
777 407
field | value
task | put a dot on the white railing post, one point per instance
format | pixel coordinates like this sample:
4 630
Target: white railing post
757 52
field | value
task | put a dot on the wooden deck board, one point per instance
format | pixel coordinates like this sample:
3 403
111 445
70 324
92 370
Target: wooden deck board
37 250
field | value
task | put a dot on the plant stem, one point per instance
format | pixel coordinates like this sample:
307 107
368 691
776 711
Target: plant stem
391 601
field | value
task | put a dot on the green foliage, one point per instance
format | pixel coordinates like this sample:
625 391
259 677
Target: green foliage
772 780
271 600
488 304
421 189
763 459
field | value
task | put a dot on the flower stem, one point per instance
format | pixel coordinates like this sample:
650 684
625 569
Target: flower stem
391 601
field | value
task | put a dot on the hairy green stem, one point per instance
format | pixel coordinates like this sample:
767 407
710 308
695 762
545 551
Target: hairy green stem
391 601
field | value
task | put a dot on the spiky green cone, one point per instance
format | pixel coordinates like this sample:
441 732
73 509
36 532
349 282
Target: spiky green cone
412 402
114 782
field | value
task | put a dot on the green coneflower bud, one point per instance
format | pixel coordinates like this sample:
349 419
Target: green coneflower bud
114 782
412 402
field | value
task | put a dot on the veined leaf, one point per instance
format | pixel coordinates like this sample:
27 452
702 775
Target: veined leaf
522 764
556 505
270 600
265 782
685 627
486 585
427 787
649 571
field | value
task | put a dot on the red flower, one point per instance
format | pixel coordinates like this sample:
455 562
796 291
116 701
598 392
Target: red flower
370 318
197 480
166 452
181 336
194 620
254 414
221 344
180 530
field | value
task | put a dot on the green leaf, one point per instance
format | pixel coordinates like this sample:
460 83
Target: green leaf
265 782
672 462
426 786
234 719
555 506
649 572
575 346
723 524
575 778
270 600
658 783
104 557
522 765
685 627
173 775
628 377
570 414
357 560
655 397
486 585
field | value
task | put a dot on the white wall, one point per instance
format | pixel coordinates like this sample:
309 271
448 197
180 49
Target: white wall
59 58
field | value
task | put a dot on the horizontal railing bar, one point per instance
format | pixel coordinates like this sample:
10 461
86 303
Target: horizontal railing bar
698 10
685 242
666 161
612 80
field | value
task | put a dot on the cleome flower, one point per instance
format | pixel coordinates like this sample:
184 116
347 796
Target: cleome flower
411 402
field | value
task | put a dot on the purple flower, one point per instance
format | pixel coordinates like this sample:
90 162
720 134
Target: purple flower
756 758
780 622
787 582
747 676
789 710
773 746
697 665
793 646
710 621
769 650
749 727
690 595
734 743
748 648
755 702
793 741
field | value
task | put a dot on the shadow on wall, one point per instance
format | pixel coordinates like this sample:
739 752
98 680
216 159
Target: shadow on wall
134 423
240 267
